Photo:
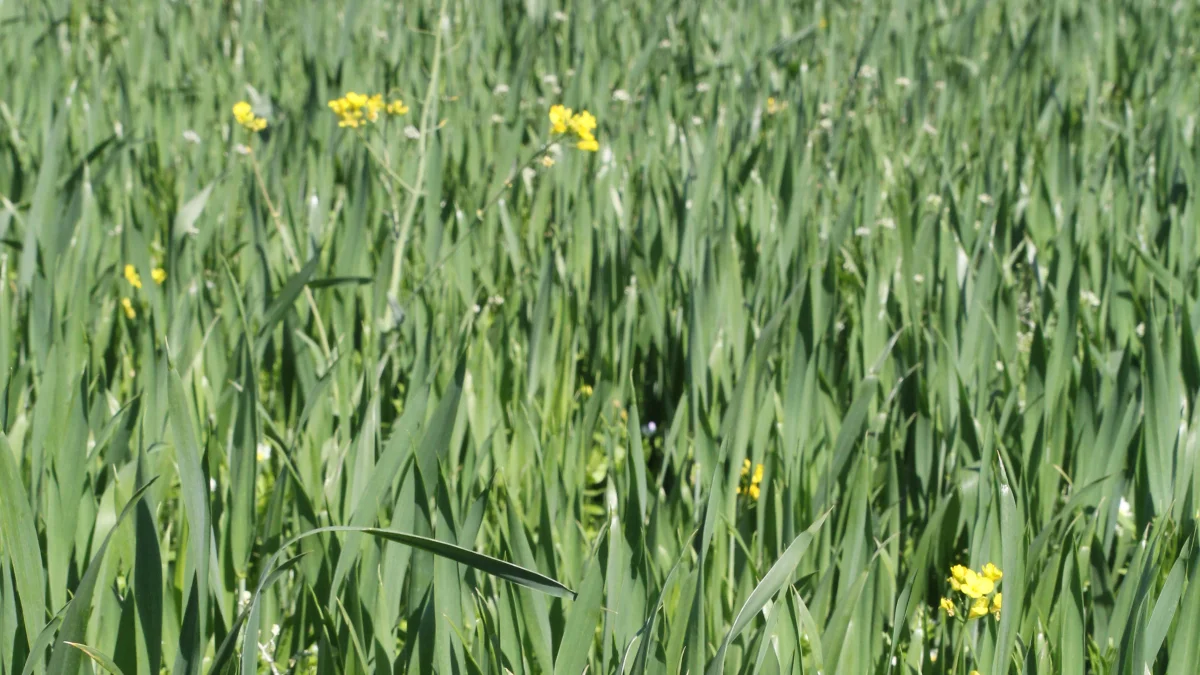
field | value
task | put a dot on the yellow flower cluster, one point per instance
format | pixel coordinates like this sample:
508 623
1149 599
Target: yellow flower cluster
355 110
244 114
750 483
977 586
581 124
158 274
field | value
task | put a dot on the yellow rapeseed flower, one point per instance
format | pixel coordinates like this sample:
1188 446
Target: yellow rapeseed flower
581 124
560 117
244 114
997 604
547 161
158 274
397 107
992 572
127 305
132 276
974 672
947 605
979 608
751 481
958 574
976 586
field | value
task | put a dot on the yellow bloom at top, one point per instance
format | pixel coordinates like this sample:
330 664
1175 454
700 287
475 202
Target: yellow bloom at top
132 276
992 572
560 117
158 274
581 124
354 109
244 114
750 483
976 586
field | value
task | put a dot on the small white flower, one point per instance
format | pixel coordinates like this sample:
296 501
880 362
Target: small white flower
212 484
697 121
275 630
1089 297
241 149
1140 330
703 87
826 124
476 308
191 137
550 79
934 200
919 278
412 132
119 129
622 96
497 119
929 129
866 72
863 231
263 452
500 89
560 16
313 201
903 82
985 198
665 43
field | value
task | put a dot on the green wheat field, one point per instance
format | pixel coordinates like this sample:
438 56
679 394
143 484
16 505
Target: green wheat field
834 337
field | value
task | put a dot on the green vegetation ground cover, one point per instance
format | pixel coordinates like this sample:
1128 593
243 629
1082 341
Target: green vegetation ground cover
932 265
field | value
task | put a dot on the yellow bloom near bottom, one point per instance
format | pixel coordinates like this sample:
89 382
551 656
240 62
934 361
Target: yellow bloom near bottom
127 305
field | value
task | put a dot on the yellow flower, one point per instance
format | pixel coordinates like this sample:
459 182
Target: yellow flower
244 114
997 603
560 117
354 110
948 606
547 161
974 672
992 572
132 276
976 586
959 573
127 305
751 481
586 390
583 124
979 608
158 274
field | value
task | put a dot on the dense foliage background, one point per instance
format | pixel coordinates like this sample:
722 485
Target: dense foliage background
933 265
